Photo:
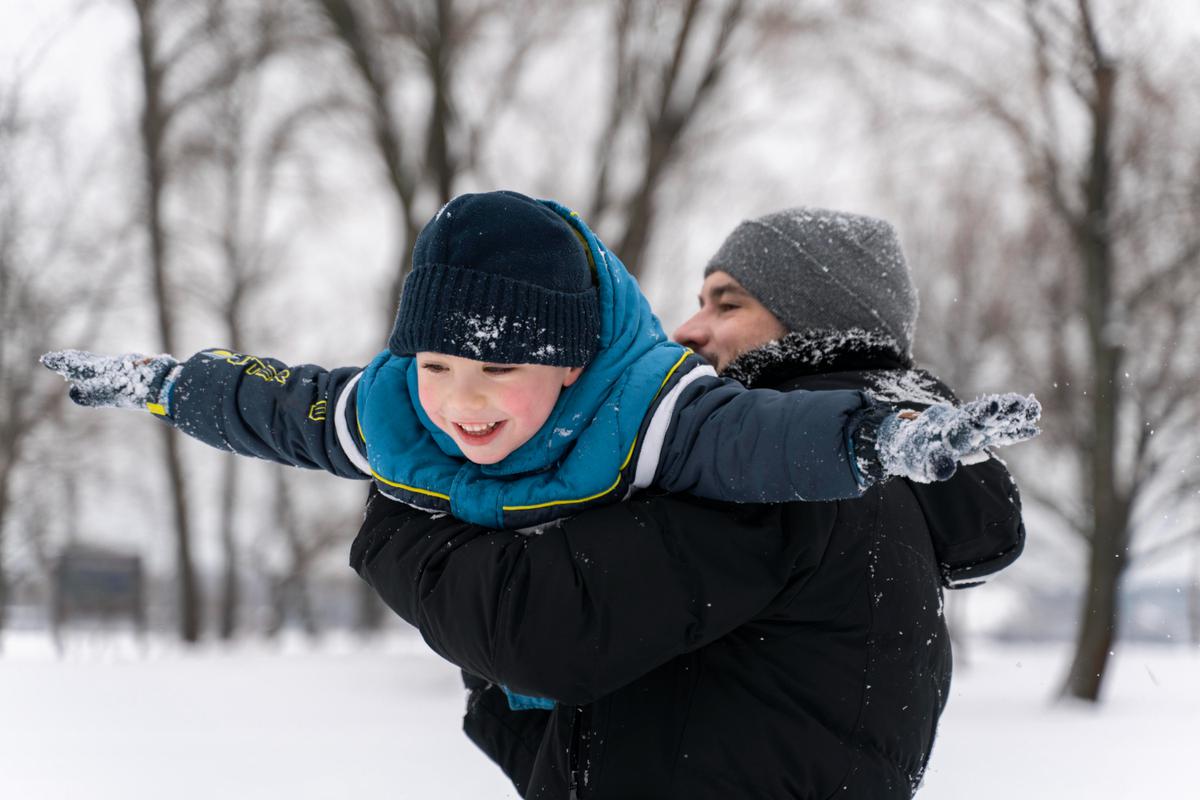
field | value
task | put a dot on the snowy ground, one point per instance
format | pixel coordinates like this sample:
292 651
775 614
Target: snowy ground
1002 738
108 721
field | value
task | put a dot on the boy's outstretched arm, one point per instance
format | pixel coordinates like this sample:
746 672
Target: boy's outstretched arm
725 442
240 403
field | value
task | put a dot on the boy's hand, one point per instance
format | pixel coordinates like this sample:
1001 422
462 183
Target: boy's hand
929 447
132 380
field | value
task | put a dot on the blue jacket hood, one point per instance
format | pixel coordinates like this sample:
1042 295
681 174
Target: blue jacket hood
580 455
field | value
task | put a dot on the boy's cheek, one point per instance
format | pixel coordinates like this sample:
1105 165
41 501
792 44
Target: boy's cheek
431 404
530 408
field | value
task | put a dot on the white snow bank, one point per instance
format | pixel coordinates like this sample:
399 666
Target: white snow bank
251 723
1003 737
349 720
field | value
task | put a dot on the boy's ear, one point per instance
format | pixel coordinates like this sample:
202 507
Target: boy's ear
573 374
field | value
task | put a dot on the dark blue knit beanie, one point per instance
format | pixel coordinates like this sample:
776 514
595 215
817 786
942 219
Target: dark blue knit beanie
499 277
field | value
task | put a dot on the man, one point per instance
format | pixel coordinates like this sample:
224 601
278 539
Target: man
704 651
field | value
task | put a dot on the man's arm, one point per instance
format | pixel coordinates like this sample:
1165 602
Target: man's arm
974 521
592 603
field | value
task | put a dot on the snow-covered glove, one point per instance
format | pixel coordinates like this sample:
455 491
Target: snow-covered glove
927 447
132 380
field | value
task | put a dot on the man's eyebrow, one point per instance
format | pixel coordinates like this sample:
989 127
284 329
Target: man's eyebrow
725 288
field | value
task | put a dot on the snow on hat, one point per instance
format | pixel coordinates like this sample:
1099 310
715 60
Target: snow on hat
824 270
499 277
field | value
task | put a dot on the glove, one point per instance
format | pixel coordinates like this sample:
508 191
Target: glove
132 380
927 447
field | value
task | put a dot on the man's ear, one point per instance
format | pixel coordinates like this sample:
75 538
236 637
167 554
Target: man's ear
572 375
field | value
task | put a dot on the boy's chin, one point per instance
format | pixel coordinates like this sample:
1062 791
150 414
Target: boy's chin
480 459
483 455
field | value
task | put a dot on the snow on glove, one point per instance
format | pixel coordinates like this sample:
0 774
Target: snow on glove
132 380
928 447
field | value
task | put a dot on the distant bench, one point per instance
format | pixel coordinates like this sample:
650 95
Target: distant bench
98 585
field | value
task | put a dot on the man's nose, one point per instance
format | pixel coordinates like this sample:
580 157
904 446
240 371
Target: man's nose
692 333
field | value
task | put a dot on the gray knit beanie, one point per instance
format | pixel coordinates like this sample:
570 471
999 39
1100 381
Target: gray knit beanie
824 270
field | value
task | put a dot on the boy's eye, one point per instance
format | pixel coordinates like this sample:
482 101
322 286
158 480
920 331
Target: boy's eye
498 370
436 368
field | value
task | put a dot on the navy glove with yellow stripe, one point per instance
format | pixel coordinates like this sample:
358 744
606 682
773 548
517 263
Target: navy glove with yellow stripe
132 380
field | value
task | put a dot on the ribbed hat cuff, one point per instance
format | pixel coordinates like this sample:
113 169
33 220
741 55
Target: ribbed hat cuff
487 317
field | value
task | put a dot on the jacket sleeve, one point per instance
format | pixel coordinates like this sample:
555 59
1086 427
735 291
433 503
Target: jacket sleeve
974 521
303 416
729 443
594 602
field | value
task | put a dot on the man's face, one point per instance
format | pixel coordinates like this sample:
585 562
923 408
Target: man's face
730 322
489 409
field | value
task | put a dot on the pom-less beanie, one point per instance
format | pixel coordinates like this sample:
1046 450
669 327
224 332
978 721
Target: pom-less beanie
816 269
499 277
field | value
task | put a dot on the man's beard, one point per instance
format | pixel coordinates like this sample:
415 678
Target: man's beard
711 358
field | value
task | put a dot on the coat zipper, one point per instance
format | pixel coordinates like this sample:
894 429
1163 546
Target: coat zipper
573 753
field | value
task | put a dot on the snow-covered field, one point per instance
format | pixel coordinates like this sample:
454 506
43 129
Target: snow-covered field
1002 738
344 721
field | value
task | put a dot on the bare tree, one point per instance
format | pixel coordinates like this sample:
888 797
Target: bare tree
172 40
394 46
289 587
242 166
1111 258
660 87
47 295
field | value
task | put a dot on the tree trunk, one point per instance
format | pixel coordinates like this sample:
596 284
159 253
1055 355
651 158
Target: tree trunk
296 582
411 231
230 595
1099 616
1109 504
236 275
5 474
440 161
1194 594
153 129
189 592
1110 529
371 610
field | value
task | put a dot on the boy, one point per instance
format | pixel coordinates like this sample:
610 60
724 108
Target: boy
526 378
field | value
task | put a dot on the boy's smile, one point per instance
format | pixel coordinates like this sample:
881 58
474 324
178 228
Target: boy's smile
489 410
479 434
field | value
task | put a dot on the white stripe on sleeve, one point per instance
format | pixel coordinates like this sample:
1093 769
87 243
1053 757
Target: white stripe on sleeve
656 431
345 437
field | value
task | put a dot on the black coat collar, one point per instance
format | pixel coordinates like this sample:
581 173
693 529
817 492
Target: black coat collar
817 352
854 359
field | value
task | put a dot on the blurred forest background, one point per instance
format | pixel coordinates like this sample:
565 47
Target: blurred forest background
179 174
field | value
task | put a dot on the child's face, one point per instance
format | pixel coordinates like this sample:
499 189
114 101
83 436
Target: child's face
489 409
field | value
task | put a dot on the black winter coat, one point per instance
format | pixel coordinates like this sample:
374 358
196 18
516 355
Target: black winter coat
699 650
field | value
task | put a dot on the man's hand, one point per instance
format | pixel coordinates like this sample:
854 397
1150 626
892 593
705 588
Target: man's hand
132 380
928 447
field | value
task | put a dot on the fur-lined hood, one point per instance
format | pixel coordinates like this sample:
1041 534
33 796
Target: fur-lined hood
890 375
